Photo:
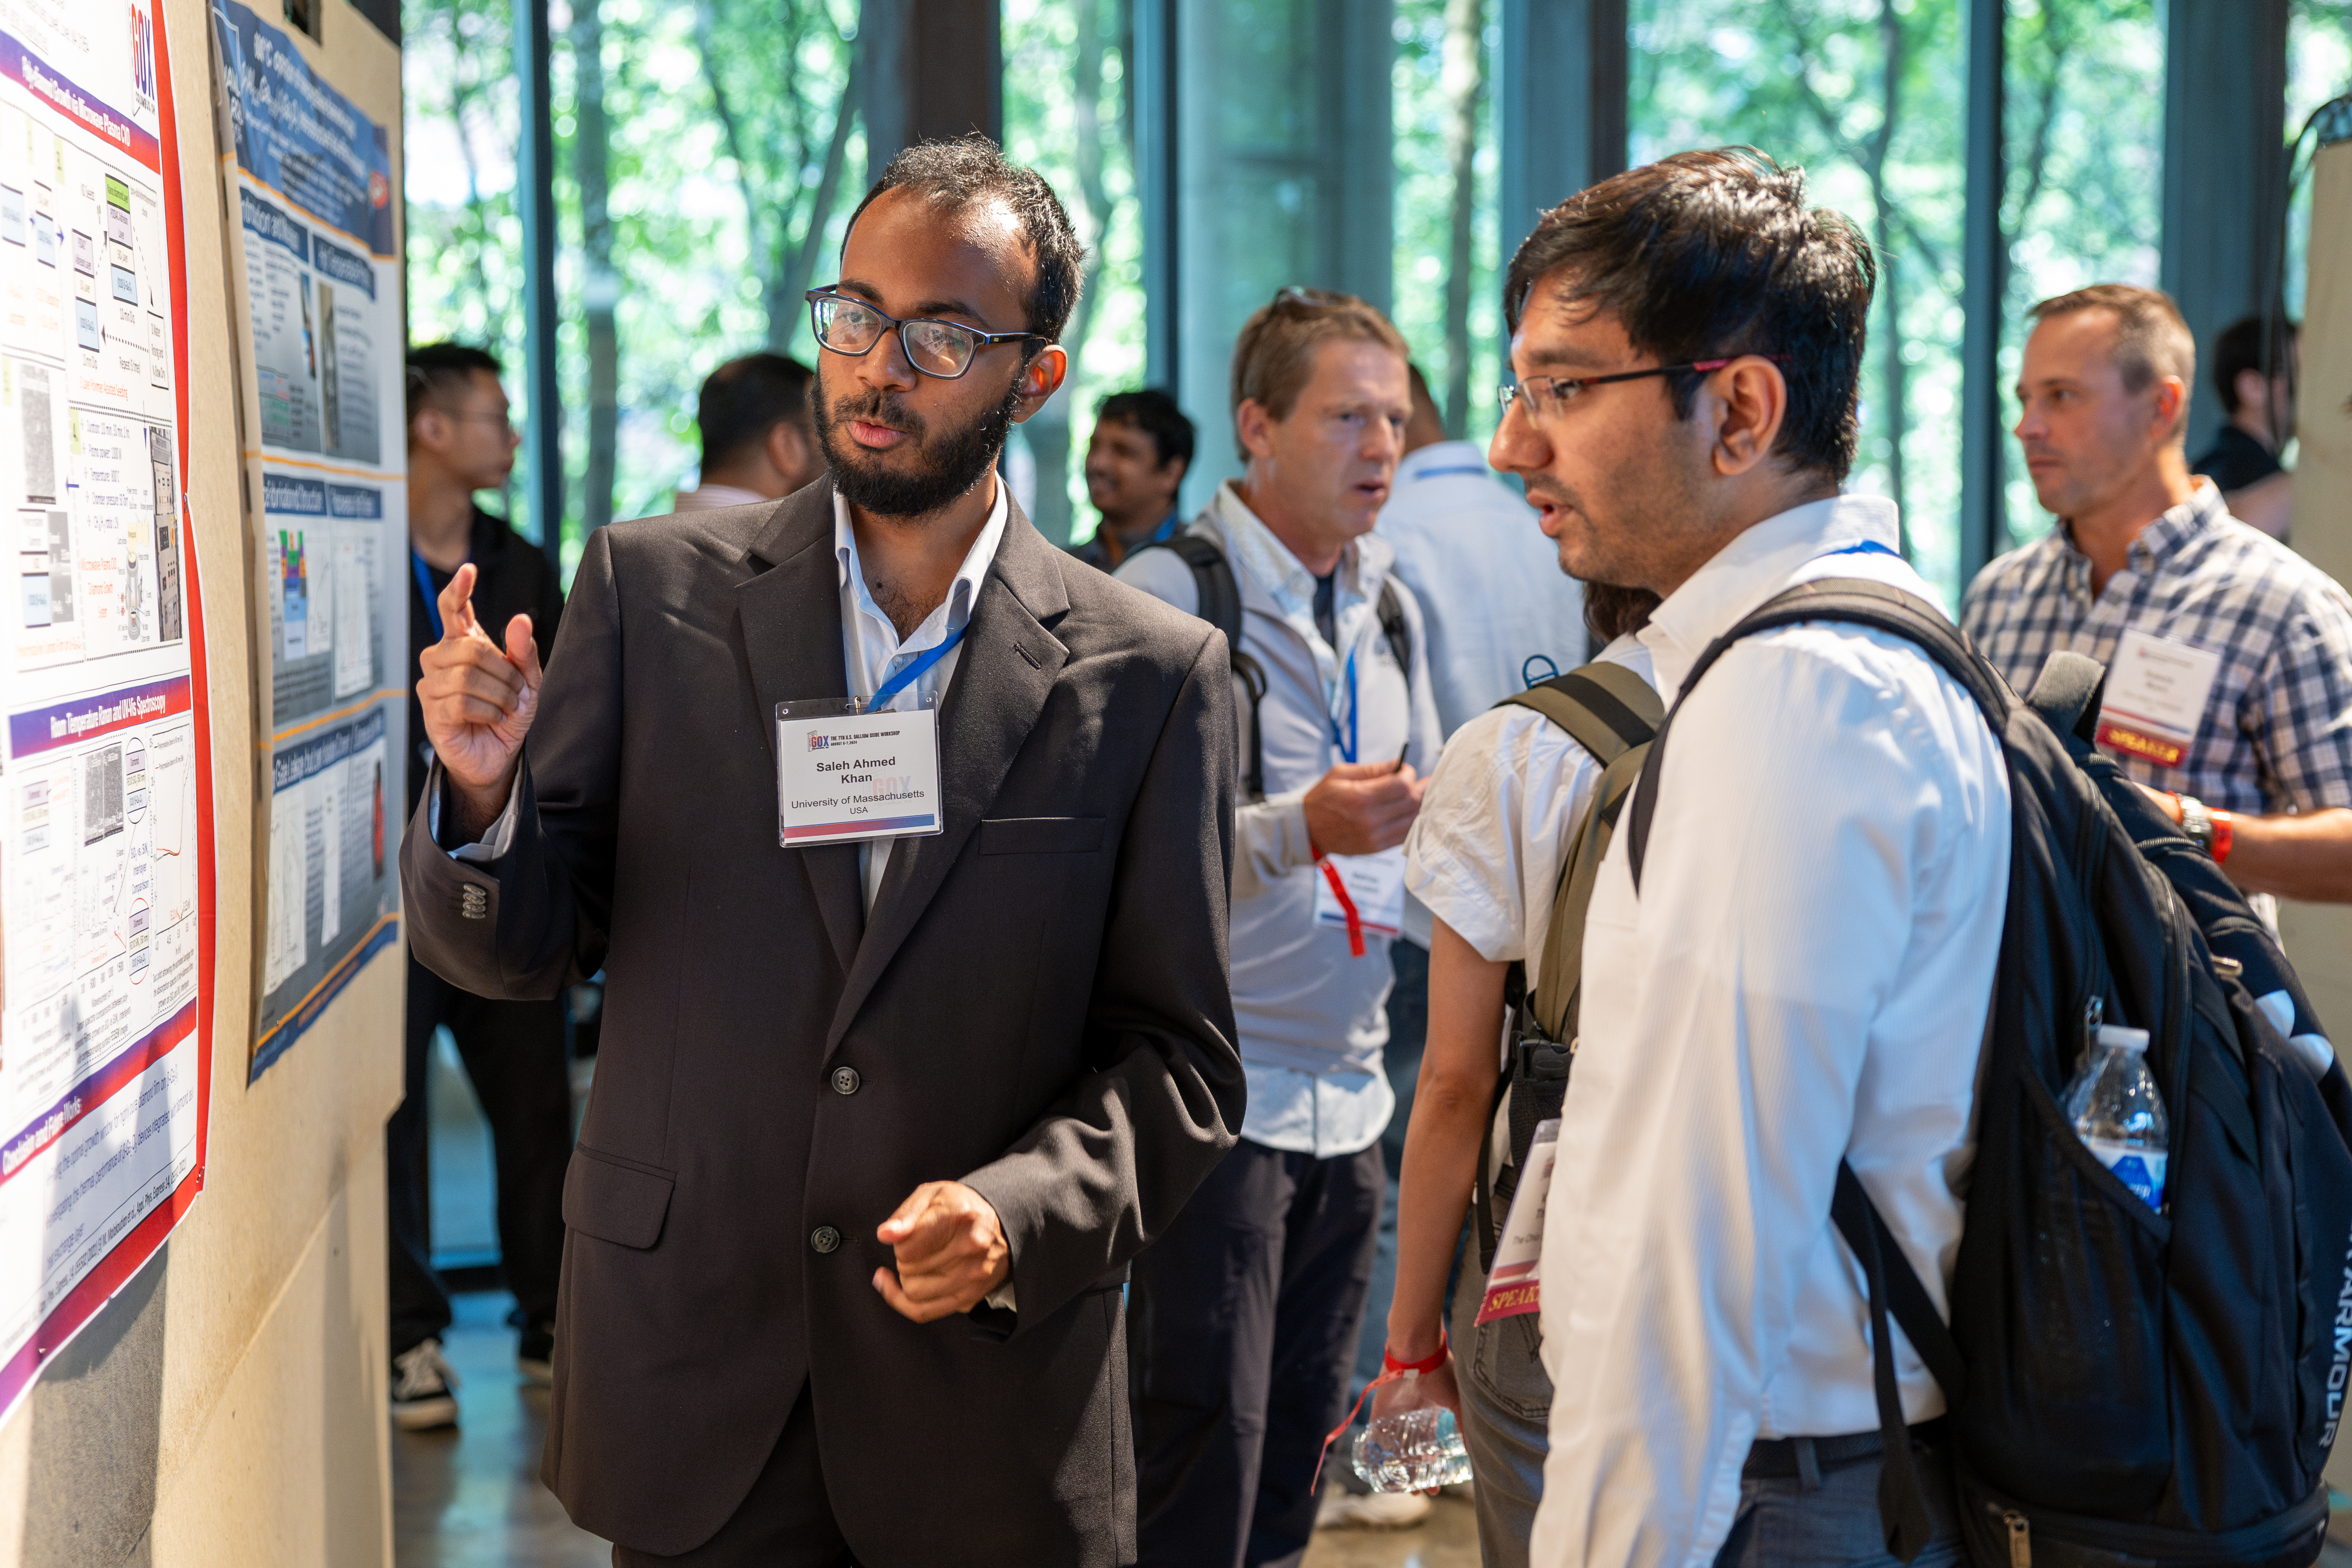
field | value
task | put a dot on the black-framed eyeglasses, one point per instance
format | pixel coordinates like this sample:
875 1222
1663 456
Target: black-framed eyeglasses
935 348
1545 395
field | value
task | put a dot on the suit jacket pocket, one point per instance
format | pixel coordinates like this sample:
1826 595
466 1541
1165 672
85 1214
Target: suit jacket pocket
615 1200
1041 834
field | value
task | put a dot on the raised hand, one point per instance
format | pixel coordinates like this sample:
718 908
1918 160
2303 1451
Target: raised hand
951 1250
478 701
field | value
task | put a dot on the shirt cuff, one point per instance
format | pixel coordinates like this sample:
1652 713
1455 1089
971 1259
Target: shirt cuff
493 844
1001 1298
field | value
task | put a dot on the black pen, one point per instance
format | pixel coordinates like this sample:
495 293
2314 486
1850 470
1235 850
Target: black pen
1398 766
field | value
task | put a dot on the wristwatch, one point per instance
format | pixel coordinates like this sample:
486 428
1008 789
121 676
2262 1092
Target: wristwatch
2196 821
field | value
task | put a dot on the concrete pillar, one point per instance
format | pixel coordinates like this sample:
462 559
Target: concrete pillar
1559 105
932 68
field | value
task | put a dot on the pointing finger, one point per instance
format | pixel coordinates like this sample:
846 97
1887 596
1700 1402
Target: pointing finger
522 651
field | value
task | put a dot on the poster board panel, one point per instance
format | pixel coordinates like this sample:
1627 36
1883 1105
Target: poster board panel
106 875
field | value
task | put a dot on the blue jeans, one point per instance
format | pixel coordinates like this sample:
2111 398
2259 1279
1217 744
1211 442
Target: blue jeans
1836 1525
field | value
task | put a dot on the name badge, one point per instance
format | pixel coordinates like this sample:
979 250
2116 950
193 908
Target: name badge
1374 886
2155 700
1516 1287
845 775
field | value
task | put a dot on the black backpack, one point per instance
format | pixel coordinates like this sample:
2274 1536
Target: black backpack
2125 1386
1612 713
1221 606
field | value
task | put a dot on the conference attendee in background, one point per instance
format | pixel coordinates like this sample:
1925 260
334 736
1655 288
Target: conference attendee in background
758 441
1244 1318
1805 968
1491 590
1487 857
461 442
868 1156
1136 460
2249 746
2255 362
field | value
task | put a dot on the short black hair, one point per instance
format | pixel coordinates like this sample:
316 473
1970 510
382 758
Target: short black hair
953 175
1155 414
1711 255
437 370
2244 345
744 399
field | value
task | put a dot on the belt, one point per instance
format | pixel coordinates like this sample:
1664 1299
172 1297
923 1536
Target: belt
1806 1459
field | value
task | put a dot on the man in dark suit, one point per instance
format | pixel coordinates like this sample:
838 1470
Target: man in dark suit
876 1126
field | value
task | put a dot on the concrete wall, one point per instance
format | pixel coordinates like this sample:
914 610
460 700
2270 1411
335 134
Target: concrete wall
228 1407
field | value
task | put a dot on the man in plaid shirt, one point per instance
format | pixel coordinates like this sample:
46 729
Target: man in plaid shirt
2141 547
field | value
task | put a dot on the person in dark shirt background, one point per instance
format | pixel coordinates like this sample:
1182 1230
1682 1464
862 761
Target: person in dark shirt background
2256 380
1136 459
461 440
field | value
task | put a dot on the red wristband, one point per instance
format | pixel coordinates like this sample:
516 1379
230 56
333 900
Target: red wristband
2224 831
1389 1361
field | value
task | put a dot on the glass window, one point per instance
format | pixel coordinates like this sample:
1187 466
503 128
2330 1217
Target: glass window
2319 68
1448 276
2085 173
1871 100
1069 114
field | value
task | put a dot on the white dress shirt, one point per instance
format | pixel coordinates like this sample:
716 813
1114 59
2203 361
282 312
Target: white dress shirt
1803 976
871 652
1491 590
1312 1017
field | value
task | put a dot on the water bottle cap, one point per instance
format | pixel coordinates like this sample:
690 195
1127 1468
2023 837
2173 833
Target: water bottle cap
2114 1035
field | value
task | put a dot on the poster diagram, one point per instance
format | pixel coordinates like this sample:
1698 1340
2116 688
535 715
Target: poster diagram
310 180
104 781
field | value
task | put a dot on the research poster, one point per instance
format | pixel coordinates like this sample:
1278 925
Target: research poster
106 894
310 180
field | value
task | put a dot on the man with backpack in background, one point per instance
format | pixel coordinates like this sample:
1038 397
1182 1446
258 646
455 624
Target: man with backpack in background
1801 974
1136 461
1502 855
2229 693
1244 1315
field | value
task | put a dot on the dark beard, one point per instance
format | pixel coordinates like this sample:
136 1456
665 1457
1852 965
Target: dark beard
949 465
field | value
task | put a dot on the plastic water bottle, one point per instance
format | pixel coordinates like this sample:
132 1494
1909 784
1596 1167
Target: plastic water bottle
1415 1449
2120 1117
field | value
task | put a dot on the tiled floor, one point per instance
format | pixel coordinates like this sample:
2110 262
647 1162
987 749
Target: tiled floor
471 1498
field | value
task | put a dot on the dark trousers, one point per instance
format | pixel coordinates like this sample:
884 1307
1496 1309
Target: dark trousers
514 1052
786 1521
1241 1324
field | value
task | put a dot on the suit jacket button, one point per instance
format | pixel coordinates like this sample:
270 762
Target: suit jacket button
845 1080
824 1238
473 903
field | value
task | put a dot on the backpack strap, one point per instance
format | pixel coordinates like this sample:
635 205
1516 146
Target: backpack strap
1395 627
1219 596
1895 1289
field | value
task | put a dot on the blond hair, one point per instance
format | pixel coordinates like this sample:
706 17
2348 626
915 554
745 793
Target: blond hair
1274 358
2152 340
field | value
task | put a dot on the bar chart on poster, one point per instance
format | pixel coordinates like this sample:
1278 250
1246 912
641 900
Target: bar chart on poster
309 180
104 789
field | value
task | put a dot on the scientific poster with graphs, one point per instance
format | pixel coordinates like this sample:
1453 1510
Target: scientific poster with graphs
309 177
106 925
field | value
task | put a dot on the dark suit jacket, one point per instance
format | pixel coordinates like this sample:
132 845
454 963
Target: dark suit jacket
1038 1007
512 577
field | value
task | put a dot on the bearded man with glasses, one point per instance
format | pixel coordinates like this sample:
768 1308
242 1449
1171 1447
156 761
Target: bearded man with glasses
884 1105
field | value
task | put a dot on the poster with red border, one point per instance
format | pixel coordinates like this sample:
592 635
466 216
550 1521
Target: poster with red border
107 915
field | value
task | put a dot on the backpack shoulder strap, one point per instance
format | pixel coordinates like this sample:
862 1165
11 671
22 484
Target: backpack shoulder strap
1219 595
1395 627
1612 713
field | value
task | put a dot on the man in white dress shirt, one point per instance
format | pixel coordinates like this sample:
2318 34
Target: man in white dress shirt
1804 972
1243 1316
758 439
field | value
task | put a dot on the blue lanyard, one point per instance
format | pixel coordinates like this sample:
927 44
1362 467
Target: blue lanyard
913 672
424 586
1346 745
1865 547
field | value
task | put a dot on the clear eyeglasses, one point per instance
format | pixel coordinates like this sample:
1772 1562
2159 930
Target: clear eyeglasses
935 348
1543 395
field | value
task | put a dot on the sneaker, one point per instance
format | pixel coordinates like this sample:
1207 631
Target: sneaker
422 1383
535 1354
1371 1510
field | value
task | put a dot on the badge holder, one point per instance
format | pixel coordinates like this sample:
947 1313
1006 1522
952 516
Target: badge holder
846 774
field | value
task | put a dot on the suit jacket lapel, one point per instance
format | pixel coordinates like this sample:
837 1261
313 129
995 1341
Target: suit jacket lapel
788 618
1002 678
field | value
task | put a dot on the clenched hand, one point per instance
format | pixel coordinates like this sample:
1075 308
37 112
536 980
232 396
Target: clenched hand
951 1252
478 701
1359 808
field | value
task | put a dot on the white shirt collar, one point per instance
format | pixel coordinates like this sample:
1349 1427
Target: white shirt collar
872 629
1754 566
1441 457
